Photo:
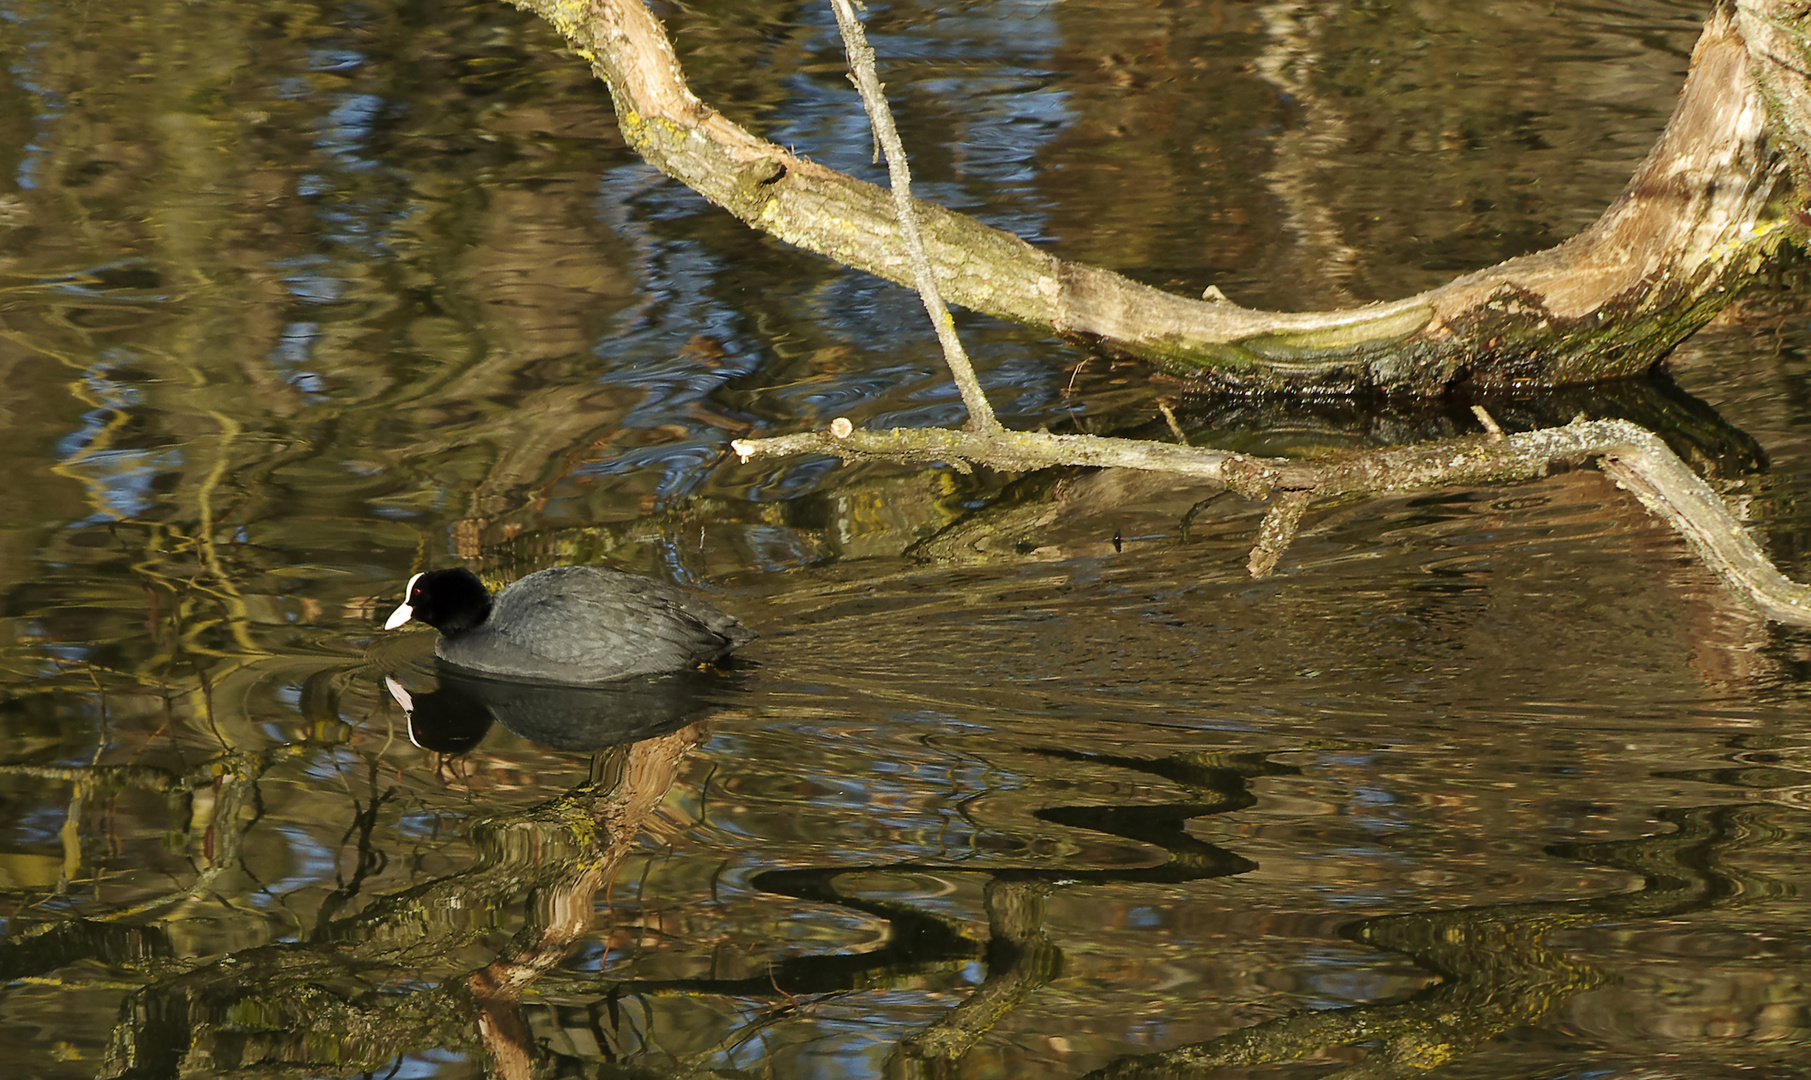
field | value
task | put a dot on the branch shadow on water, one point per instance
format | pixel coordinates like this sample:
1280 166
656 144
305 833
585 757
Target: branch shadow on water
366 988
424 968
1496 972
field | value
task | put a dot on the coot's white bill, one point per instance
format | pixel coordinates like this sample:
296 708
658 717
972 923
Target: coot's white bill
403 612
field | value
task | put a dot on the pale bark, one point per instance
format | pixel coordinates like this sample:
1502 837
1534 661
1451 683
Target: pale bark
899 179
1632 456
1694 222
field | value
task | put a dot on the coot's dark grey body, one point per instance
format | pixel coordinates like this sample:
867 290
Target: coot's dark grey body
570 624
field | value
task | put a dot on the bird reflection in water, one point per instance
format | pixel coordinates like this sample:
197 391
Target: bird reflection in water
451 719
565 851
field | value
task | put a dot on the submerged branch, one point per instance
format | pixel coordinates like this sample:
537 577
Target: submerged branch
1694 221
1277 531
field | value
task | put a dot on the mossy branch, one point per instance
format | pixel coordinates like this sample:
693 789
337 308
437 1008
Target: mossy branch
1693 223
1632 456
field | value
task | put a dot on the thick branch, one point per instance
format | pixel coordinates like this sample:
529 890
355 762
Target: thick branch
1612 301
1779 50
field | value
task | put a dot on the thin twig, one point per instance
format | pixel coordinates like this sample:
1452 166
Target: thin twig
1169 417
873 97
1634 457
1409 345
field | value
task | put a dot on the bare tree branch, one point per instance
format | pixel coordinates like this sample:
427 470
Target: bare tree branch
1633 456
1692 224
1693 215
924 278
1277 532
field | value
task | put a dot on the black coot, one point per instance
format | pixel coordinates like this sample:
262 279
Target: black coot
569 624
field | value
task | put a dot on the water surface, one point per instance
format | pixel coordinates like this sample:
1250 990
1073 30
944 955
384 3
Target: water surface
1025 776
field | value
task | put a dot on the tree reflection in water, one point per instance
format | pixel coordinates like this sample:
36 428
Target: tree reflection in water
424 968
364 989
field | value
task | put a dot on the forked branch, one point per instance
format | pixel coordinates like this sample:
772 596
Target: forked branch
1634 457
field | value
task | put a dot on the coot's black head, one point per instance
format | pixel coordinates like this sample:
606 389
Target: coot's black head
451 601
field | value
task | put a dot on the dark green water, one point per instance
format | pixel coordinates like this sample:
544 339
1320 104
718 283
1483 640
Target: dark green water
1025 776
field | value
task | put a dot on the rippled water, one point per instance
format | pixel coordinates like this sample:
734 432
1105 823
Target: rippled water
1025 776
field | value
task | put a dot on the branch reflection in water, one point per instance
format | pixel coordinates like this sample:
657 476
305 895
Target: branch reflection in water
361 991
366 287
442 966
